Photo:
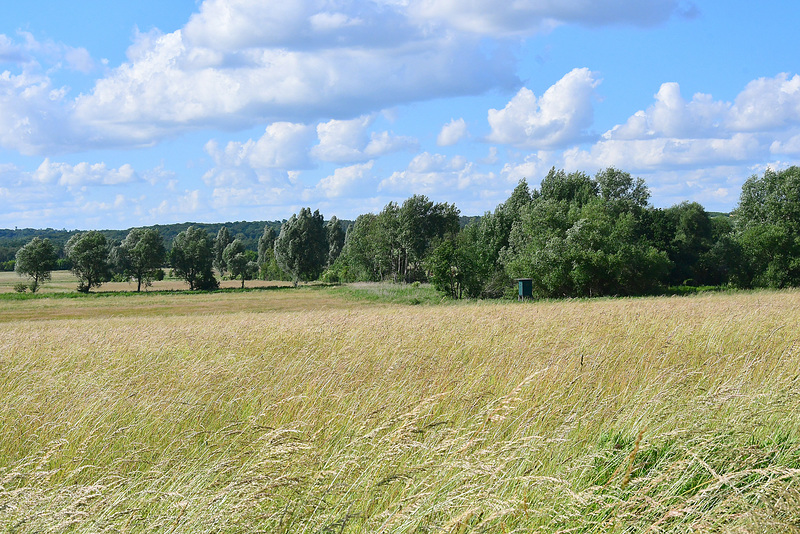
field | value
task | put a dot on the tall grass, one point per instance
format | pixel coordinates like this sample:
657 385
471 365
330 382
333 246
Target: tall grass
644 415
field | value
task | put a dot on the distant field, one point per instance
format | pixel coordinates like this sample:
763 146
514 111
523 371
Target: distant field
333 410
65 282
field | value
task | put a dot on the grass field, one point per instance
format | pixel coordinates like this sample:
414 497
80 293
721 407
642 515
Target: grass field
333 410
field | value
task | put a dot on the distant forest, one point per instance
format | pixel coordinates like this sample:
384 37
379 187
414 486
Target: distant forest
248 232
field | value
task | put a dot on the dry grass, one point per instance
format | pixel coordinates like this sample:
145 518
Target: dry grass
644 415
65 282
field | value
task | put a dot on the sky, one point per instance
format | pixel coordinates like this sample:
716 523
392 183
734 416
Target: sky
123 114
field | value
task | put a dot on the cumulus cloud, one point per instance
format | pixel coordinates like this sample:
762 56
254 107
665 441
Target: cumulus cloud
84 174
345 141
33 114
283 147
435 174
452 132
238 63
672 116
560 117
171 83
674 132
767 104
532 167
665 153
350 181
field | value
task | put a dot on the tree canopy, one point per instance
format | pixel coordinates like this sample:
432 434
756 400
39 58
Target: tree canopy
301 249
192 258
88 252
142 254
36 260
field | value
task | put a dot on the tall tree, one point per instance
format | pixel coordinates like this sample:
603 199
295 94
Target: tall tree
359 255
142 254
192 258
36 260
88 253
301 248
335 233
239 263
222 240
767 222
266 245
422 223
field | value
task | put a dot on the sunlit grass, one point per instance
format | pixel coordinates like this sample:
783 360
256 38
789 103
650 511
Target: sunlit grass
314 413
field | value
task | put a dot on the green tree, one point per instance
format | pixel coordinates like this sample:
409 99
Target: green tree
620 187
767 222
359 259
36 260
575 188
266 245
422 223
142 255
192 257
336 235
455 265
239 263
88 253
301 248
584 238
222 240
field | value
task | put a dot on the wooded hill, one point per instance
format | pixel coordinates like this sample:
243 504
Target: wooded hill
249 232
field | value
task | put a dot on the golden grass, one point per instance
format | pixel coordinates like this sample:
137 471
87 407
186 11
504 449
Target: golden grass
642 415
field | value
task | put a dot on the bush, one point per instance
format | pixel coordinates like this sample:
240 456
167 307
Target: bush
21 287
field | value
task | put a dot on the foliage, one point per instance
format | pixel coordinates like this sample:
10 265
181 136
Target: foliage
585 237
335 233
141 255
192 258
36 260
767 222
221 242
266 245
301 249
456 265
88 252
240 262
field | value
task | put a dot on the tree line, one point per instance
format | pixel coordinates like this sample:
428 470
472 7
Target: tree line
576 235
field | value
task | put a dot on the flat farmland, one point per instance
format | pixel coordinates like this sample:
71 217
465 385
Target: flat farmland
310 410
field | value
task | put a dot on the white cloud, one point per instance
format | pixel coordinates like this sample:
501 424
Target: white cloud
188 203
283 147
84 174
702 132
560 117
532 168
452 132
345 141
767 104
32 114
665 153
348 181
436 174
672 116
249 67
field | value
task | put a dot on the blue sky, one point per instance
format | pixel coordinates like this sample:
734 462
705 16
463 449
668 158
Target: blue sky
123 114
